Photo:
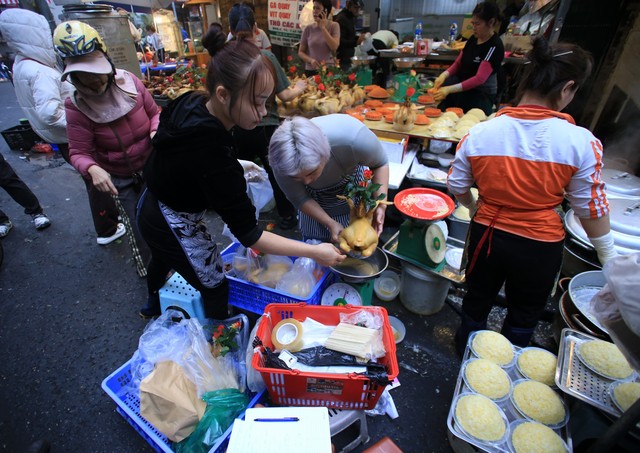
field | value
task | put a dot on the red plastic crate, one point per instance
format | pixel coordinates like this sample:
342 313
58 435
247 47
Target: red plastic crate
340 391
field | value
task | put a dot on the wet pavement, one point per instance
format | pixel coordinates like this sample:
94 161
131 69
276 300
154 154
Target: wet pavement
69 318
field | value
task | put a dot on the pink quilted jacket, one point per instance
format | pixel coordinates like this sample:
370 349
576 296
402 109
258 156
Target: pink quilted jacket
91 143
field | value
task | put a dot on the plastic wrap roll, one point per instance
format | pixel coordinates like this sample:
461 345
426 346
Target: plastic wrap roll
287 335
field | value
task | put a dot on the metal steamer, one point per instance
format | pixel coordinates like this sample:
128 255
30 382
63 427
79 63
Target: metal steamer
421 237
356 280
403 80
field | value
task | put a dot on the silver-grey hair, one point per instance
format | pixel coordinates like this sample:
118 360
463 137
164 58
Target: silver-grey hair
298 145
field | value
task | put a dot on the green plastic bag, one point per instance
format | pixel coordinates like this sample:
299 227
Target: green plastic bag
223 406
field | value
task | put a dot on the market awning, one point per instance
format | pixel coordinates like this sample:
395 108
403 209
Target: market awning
9 2
140 6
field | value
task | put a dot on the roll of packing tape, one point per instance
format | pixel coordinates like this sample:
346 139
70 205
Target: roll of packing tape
287 335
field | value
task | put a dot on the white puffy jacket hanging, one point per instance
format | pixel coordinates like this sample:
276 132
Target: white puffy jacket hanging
306 16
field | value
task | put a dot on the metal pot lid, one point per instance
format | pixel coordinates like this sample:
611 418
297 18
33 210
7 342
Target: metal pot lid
625 216
620 224
582 288
621 182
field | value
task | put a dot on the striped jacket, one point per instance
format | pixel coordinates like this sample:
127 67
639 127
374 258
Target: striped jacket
524 162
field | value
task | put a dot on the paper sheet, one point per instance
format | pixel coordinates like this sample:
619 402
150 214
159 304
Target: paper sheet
309 434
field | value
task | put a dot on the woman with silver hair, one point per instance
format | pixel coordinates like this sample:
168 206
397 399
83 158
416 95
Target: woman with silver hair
313 160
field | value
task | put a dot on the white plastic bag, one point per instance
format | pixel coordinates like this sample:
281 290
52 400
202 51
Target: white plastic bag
259 191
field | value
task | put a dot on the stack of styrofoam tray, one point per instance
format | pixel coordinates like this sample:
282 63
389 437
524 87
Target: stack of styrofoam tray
511 413
576 379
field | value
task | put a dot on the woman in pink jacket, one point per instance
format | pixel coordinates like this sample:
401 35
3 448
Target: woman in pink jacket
111 118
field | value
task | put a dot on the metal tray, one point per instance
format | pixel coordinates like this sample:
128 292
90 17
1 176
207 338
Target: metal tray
391 247
506 405
575 379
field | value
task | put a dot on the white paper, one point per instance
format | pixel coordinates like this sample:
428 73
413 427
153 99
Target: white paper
310 434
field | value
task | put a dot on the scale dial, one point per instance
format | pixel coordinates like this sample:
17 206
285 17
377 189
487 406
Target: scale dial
340 294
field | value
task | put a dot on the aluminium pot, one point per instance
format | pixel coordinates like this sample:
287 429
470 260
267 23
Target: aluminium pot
569 316
354 270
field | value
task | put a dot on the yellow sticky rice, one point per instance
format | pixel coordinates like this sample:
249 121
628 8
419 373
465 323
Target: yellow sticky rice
480 417
605 358
538 365
487 378
539 402
531 437
493 346
626 394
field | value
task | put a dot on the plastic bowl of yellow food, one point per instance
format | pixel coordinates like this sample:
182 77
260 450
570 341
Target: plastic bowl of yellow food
527 436
624 394
487 378
487 344
399 330
538 402
387 286
480 419
537 364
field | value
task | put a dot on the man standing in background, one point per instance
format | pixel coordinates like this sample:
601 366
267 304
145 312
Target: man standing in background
348 38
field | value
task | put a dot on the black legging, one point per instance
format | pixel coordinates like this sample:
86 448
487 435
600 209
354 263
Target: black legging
18 190
527 267
167 255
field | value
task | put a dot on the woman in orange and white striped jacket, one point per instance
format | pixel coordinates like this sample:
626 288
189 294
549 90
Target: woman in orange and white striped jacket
524 162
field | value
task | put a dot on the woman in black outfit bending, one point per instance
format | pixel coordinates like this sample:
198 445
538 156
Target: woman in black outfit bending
192 169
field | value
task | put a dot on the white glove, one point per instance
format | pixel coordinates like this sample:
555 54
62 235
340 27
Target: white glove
604 247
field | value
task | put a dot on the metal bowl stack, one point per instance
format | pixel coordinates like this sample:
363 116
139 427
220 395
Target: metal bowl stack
407 62
363 60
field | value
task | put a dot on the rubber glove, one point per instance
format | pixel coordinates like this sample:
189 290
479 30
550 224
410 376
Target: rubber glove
440 80
604 247
441 93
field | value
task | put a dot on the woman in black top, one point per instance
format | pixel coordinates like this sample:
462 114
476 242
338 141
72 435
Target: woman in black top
471 81
192 169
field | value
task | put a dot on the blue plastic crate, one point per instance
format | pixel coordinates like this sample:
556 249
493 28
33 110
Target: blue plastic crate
116 386
177 293
255 298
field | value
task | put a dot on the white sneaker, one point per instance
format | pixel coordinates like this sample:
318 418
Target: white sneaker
120 231
41 221
5 228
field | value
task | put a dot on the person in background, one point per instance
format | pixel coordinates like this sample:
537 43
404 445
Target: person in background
41 94
255 142
471 81
348 37
313 161
111 118
155 41
21 193
319 40
259 36
381 40
523 171
192 169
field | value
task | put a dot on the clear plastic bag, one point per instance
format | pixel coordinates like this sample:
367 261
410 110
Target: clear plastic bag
259 191
298 282
254 378
171 337
270 270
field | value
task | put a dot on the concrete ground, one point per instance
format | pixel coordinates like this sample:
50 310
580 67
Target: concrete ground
69 318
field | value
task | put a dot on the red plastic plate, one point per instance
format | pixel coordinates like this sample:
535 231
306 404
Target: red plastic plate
424 204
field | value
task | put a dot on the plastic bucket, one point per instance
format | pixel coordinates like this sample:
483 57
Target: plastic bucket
422 292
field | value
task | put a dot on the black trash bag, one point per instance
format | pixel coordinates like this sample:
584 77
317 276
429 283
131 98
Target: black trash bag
271 360
321 356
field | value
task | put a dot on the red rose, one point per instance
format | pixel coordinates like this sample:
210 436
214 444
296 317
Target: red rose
190 80
169 79
338 83
352 76
330 74
368 174
321 87
292 69
316 79
410 92
290 58
363 184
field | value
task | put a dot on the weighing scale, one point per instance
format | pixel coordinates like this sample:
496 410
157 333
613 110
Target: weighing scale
364 74
421 238
403 80
357 278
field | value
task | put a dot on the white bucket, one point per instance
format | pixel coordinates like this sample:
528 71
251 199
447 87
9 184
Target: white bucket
421 291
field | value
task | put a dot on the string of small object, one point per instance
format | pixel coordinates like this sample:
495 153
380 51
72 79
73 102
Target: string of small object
135 251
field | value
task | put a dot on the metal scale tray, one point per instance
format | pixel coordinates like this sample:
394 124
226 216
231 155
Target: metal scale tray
447 272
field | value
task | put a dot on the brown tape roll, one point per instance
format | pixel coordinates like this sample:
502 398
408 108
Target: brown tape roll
287 334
